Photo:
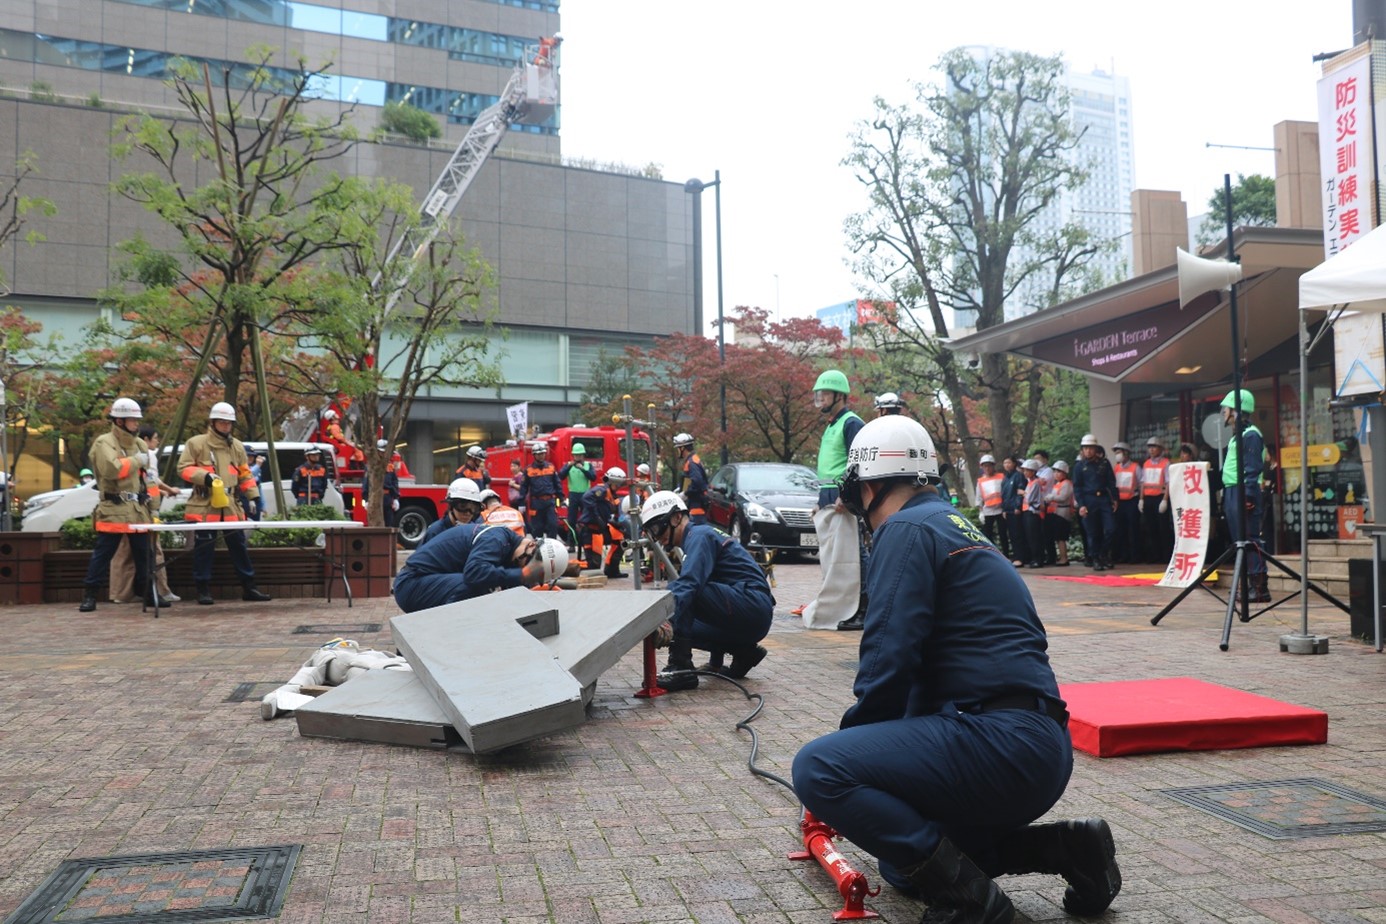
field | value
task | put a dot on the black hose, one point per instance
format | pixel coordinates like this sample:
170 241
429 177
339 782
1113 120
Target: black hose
745 724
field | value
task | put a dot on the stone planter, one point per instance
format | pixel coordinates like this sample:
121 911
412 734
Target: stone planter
282 572
21 565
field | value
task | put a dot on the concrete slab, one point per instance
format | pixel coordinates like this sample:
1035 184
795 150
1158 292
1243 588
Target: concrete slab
386 706
598 628
497 683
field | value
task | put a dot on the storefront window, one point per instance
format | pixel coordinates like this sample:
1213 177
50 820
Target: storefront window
1337 480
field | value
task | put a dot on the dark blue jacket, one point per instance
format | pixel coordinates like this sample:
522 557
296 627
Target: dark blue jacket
481 554
948 621
711 556
597 510
1012 491
541 481
1094 482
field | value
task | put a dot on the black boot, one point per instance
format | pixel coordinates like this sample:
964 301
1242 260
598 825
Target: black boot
254 594
678 673
743 660
957 891
857 621
204 593
613 569
153 599
1080 850
1260 591
88 600
715 663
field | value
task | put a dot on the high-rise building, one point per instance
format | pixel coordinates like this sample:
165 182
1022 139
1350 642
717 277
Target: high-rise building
585 259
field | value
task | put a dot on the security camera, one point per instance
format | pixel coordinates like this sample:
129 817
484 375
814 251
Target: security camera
973 360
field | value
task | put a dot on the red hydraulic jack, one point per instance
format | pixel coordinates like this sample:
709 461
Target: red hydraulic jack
649 687
852 885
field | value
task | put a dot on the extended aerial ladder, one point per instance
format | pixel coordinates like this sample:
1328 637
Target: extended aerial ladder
530 96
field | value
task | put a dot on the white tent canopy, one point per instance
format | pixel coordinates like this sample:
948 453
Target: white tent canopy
1354 278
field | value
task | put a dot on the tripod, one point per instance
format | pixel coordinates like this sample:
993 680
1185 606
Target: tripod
1241 581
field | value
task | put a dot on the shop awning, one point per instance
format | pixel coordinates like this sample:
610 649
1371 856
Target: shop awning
1135 331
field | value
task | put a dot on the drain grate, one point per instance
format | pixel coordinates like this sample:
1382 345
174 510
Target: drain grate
1288 808
360 628
201 886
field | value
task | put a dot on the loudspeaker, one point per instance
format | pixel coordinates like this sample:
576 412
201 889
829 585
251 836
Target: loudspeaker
1198 275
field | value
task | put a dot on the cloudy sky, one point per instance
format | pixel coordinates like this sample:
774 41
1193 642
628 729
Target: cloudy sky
767 92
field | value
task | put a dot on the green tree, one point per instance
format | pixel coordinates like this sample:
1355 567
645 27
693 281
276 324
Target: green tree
959 187
246 234
1253 206
15 207
409 121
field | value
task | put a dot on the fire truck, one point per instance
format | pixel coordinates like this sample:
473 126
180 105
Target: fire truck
421 504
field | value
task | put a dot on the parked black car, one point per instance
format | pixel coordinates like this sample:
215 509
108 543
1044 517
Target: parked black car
773 501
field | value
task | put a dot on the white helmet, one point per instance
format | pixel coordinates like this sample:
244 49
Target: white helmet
1121 446
660 505
893 446
222 411
382 444
683 439
615 473
329 414
487 495
539 446
987 458
1061 466
1089 440
554 557
476 452
464 489
124 408
642 470
1030 465
888 400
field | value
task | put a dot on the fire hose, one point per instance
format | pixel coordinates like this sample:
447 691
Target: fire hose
818 836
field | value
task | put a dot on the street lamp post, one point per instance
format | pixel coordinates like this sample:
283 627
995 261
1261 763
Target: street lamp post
696 187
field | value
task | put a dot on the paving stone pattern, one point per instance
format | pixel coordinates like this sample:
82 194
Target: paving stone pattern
118 739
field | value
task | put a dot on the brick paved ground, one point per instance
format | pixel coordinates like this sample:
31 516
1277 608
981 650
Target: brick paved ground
118 738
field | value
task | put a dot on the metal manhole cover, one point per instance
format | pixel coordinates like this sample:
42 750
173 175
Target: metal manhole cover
1288 808
202 886
360 628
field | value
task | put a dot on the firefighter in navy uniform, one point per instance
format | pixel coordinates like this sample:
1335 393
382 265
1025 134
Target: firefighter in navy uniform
541 491
464 506
208 458
118 458
475 468
472 560
309 481
598 534
693 479
1094 491
958 739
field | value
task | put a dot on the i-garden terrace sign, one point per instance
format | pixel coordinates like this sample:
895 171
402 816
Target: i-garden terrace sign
1112 348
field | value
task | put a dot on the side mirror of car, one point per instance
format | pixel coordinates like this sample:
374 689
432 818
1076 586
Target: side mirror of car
718 488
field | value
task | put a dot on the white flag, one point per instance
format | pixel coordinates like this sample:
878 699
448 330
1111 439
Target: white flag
519 419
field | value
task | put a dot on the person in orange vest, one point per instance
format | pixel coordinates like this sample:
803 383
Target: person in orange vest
1058 513
401 469
475 468
118 459
993 517
216 466
331 429
309 481
598 533
123 564
1126 537
541 492
1156 522
693 484
495 512
1032 513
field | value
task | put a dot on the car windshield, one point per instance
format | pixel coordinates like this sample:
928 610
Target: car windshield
786 479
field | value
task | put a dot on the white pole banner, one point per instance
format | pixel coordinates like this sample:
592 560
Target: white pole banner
1189 490
519 419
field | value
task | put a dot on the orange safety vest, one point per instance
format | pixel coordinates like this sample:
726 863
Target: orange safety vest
1060 499
1155 476
989 490
1125 480
504 516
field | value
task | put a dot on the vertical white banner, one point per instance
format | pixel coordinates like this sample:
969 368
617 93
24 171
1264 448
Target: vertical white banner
519 419
1189 500
1345 153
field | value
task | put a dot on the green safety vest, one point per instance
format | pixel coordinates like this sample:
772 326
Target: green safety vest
578 482
1231 471
832 451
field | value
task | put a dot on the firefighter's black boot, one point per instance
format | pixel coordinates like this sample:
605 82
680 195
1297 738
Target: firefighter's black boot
678 673
613 567
204 593
715 662
1260 591
253 594
1080 850
956 890
88 599
857 621
743 660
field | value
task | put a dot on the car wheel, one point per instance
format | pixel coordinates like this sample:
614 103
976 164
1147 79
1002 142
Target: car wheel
411 524
740 532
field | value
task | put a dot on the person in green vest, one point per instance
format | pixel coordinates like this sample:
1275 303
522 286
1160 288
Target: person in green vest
1241 487
841 601
580 475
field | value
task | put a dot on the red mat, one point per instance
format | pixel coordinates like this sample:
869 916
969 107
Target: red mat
1182 714
1106 580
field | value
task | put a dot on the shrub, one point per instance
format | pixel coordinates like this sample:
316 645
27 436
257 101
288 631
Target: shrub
267 538
77 534
409 121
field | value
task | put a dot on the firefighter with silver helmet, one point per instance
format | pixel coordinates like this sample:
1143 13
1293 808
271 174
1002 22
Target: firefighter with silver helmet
722 598
958 738
598 534
889 403
216 465
475 468
693 483
118 459
464 506
1095 493
474 559
542 490
841 600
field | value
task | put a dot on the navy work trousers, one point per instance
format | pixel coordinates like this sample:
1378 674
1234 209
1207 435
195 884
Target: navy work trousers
1235 503
205 545
729 617
99 566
